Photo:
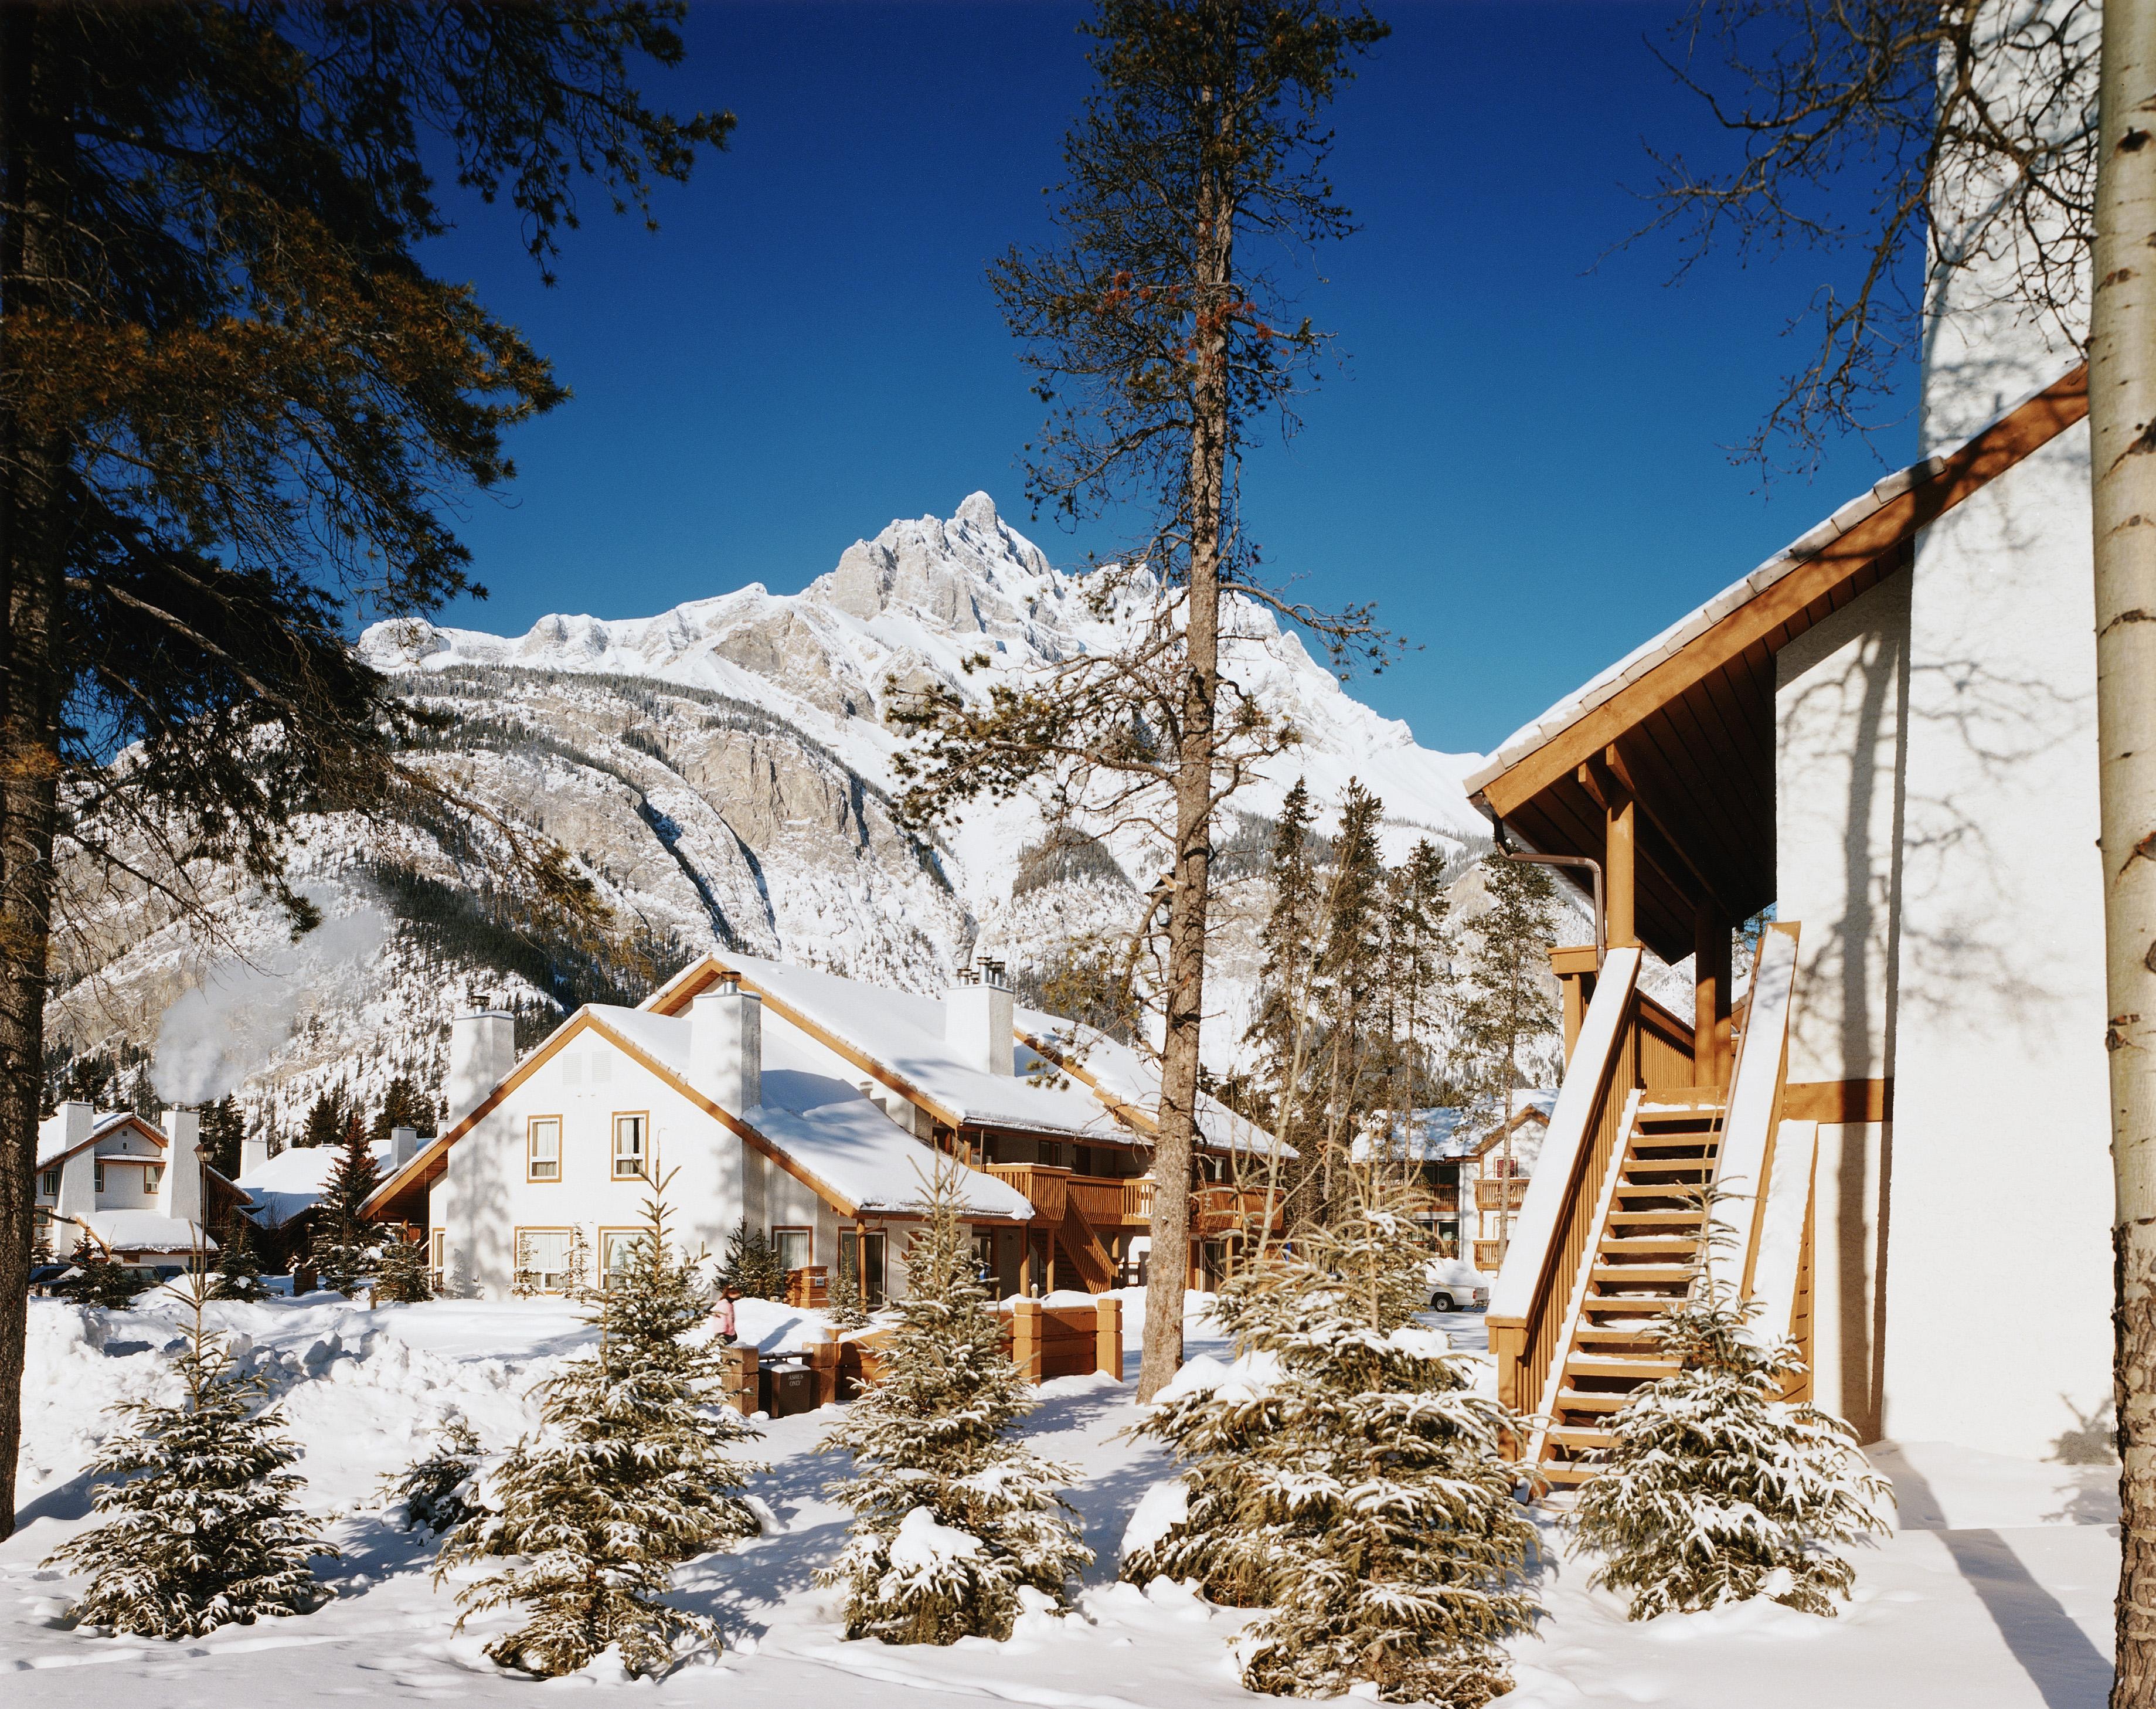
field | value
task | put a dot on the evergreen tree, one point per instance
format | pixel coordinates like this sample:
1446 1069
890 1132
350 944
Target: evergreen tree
402 1276
849 1309
630 1473
1510 1016
327 1118
402 1105
1417 961
753 1265
435 1491
1715 1489
239 1265
100 1279
239 410
1346 1478
953 1514
223 1128
345 1242
202 1528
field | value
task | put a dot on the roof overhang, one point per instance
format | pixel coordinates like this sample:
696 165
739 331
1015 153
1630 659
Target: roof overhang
1684 726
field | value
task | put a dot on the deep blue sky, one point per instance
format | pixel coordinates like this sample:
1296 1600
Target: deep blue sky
1522 462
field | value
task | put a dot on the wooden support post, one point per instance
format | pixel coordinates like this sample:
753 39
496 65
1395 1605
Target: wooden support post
1574 967
823 1357
1711 980
1108 1336
1026 1349
1025 1263
1620 820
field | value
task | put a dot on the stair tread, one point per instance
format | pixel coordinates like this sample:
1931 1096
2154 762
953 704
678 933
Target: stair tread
1586 1364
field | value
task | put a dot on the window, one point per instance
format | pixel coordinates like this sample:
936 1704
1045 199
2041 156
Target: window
628 1137
97 1177
153 1178
794 1247
543 1149
48 1183
864 1248
542 1258
437 1240
617 1251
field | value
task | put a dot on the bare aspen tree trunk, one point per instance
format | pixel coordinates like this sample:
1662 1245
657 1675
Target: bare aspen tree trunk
2122 453
30 751
1168 1264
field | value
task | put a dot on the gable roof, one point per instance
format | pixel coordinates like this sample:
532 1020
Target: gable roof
53 1149
296 1178
1684 723
857 1160
898 1038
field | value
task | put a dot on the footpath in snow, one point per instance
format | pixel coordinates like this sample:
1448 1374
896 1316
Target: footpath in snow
1994 1594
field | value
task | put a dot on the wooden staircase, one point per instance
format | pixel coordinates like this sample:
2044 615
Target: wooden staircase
1078 1245
1647 1248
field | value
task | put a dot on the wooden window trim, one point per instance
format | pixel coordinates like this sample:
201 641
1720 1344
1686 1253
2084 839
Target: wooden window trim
599 1247
642 1170
517 1248
438 1243
807 1231
531 1152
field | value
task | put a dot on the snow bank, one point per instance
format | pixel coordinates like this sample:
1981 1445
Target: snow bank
1159 1510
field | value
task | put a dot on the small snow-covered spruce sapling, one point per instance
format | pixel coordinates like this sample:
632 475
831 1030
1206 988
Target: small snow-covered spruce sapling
98 1278
435 1490
753 1265
1344 1476
202 1528
1716 1490
402 1276
848 1310
345 1243
954 1516
631 1472
238 1263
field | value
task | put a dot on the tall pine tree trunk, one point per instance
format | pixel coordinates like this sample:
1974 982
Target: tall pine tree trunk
2122 450
31 471
1168 1264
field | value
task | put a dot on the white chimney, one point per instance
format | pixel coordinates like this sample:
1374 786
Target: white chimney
403 1146
179 1189
253 1152
977 1022
482 1051
725 1047
79 1173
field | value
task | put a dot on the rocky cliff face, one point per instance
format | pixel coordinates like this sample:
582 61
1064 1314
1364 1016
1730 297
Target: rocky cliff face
722 773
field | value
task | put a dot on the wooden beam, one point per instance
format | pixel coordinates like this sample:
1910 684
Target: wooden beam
1620 856
1832 1100
1710 982
1983 459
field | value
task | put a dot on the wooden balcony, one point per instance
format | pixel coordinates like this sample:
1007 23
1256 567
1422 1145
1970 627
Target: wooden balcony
1102 1201
1492 1195
1225 1210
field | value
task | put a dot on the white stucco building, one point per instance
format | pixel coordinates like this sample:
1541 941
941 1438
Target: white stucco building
810 1108
136 1188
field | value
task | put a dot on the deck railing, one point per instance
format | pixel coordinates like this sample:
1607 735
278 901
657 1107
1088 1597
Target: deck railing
1626 1040
1492 1195
1105 1201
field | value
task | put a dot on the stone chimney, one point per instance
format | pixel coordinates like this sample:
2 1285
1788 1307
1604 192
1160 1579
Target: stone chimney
79 1173
725 1047
180 1189
482 1051
253 1152
403 1146
978 1020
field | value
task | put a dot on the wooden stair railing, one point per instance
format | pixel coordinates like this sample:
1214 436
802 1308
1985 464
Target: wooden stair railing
1549 1239
1084 1248
1649 1219
1746 1159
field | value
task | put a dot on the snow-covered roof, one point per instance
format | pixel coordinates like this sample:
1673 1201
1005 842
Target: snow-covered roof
53 1146
296 1178
903 1034
1672 640
143 1231
827 1125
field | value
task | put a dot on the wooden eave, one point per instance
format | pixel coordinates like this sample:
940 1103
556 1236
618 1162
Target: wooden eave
1692 739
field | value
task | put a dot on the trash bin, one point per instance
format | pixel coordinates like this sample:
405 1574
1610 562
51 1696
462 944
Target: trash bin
788 1389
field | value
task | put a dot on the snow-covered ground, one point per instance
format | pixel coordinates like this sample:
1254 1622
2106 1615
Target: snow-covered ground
1995 1593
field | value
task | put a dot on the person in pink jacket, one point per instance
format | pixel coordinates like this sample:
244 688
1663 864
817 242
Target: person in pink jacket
722 1314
